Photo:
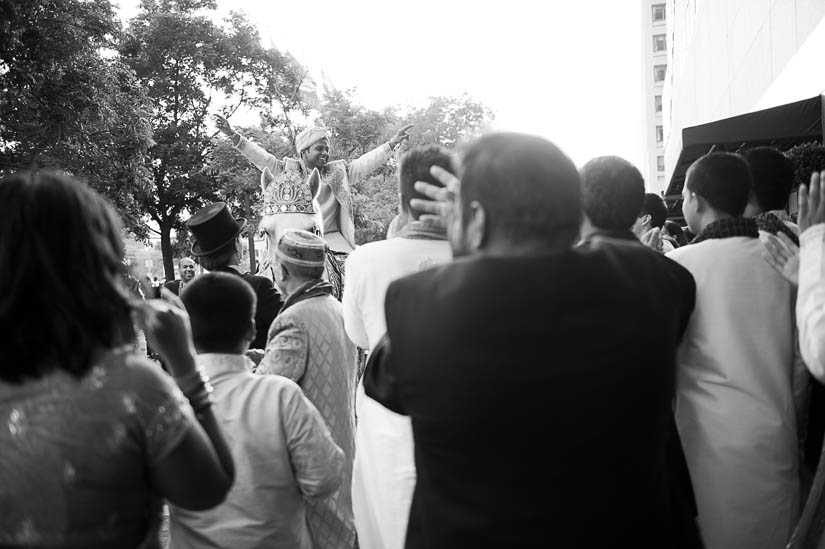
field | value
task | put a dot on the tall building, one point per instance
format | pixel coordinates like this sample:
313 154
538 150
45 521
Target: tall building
654 53
731 57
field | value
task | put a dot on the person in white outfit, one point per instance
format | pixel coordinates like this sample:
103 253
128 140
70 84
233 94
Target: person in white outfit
735 398
384 469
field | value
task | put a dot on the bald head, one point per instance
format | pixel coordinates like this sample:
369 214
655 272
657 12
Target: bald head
187 269
516 190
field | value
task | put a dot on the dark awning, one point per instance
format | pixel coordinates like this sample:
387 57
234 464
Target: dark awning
782 127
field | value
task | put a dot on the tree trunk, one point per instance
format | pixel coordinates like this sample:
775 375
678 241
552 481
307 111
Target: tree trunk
166 250
247 211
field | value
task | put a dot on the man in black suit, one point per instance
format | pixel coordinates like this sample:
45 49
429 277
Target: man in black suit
538 376
218 248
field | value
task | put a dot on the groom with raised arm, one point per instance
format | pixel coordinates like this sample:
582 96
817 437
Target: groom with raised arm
335 197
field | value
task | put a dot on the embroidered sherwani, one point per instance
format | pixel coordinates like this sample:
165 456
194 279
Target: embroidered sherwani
307 343
337 176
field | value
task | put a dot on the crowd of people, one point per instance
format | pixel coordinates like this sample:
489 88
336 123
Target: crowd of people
551 361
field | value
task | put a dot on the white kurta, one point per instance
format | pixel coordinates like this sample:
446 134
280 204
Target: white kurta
383 476
735 396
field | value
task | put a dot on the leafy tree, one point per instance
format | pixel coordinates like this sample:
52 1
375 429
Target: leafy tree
448 121
67 104
240 180
182 58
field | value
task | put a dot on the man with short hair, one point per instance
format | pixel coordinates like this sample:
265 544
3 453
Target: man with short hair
735 405
652 216
335 196
772 179
613 194
186 266
308 344
384 468
281 447
217 245
537 376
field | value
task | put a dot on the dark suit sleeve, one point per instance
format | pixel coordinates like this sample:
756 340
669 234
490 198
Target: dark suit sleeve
269 303
380 379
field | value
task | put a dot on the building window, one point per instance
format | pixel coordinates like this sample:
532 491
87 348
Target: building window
660 160
660 180
658 12
659 42
657 103
660 134
659 73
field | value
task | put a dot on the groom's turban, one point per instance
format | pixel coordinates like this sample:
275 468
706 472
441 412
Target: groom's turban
308 137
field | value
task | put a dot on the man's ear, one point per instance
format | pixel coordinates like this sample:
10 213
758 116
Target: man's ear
701 204
646 219
476 226
250 331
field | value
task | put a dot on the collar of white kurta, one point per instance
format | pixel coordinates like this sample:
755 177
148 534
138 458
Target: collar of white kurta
215 364
728 228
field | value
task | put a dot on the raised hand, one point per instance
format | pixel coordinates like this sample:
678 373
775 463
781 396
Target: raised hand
783 255
400 135
440 208
224 126
811 203
167 330
653 239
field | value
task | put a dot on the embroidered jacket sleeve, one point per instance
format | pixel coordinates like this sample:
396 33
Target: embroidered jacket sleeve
257 155
286 350
162 411
810 304
362 166
317 461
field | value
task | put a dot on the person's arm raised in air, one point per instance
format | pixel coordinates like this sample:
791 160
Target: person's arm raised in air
252 151
197 472
370 161
810 303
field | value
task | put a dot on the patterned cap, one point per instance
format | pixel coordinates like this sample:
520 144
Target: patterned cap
297 247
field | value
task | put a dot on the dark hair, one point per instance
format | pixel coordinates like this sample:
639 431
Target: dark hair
675 230
220 307
772 177
415 166
219 258
723 180
655 207
529 188
62 295
613 191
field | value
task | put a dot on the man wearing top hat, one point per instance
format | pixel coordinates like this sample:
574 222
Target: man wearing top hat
335 197
217 246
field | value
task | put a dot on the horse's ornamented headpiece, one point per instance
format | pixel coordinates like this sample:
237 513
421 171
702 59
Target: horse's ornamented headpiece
289 193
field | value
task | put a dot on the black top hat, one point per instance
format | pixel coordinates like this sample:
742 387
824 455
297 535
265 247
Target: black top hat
213 228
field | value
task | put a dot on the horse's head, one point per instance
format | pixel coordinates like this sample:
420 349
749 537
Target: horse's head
289 203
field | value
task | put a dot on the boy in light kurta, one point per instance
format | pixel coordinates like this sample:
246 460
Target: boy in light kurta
735 400
307 343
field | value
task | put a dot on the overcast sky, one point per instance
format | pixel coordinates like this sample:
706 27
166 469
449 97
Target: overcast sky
567 70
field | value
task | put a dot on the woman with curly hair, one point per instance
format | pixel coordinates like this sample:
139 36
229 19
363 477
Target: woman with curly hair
93 436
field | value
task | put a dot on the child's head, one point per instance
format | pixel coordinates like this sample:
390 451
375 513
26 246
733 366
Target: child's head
221 307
